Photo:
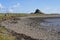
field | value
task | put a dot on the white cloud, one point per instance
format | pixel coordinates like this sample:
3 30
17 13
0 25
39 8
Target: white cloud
10 10
48 8
16 5
51 8
55 9
13 7
1 6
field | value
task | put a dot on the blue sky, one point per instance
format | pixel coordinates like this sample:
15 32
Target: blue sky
27 6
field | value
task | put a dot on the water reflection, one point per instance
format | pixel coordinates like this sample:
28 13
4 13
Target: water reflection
51 22
53 27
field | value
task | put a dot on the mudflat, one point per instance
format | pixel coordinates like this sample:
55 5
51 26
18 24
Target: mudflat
31 26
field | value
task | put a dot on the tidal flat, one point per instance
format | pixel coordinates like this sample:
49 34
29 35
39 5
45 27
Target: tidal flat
38 28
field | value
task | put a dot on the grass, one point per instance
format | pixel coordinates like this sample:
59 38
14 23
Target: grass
6 36
10 15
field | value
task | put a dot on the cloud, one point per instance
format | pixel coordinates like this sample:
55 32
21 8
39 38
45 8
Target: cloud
51 8
55 9
1 6
16 5
13 7
48 8
10 10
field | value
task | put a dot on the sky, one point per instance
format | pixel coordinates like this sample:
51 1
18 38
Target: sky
28 6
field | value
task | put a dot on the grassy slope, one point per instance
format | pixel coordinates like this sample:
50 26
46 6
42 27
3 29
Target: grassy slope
4 35
11 35
8 16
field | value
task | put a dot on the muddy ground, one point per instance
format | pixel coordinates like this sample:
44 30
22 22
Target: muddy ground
29 28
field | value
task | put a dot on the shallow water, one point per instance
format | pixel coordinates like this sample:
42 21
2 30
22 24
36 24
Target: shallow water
51 23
